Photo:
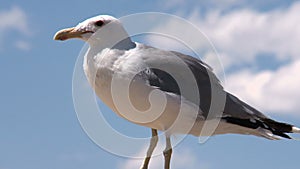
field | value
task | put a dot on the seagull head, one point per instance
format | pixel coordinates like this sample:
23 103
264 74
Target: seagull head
86 29
100 32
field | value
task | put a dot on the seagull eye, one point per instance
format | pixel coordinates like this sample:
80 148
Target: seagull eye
99 23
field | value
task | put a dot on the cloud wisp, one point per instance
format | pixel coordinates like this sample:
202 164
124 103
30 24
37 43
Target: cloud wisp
14 19
240 35
271 91
243 34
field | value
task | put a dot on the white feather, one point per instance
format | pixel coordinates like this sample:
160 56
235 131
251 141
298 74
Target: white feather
296 130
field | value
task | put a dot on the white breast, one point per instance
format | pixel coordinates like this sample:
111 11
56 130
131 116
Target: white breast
107 66
108 73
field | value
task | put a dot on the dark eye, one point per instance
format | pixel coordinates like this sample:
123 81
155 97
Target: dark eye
99 23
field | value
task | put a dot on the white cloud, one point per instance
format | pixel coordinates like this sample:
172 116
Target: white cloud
186 4
14 19
239 35
180 160
243 34
270 91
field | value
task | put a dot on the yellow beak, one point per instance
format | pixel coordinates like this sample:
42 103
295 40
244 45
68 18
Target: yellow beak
68 33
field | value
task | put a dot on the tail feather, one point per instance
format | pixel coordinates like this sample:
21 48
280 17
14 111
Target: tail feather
266 127
240 113
295 129
281 129
278 126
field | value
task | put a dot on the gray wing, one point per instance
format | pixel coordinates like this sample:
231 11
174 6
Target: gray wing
235 111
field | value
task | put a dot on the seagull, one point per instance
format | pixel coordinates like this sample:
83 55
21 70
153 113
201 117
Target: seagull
163 90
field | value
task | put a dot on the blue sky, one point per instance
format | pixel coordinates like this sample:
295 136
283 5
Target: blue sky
258 47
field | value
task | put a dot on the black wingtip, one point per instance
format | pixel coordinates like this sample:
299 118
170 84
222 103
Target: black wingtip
277 128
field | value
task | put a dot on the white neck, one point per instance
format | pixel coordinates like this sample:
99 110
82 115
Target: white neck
111 36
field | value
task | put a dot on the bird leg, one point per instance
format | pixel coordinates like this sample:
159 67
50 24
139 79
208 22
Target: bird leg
153 143
168 152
